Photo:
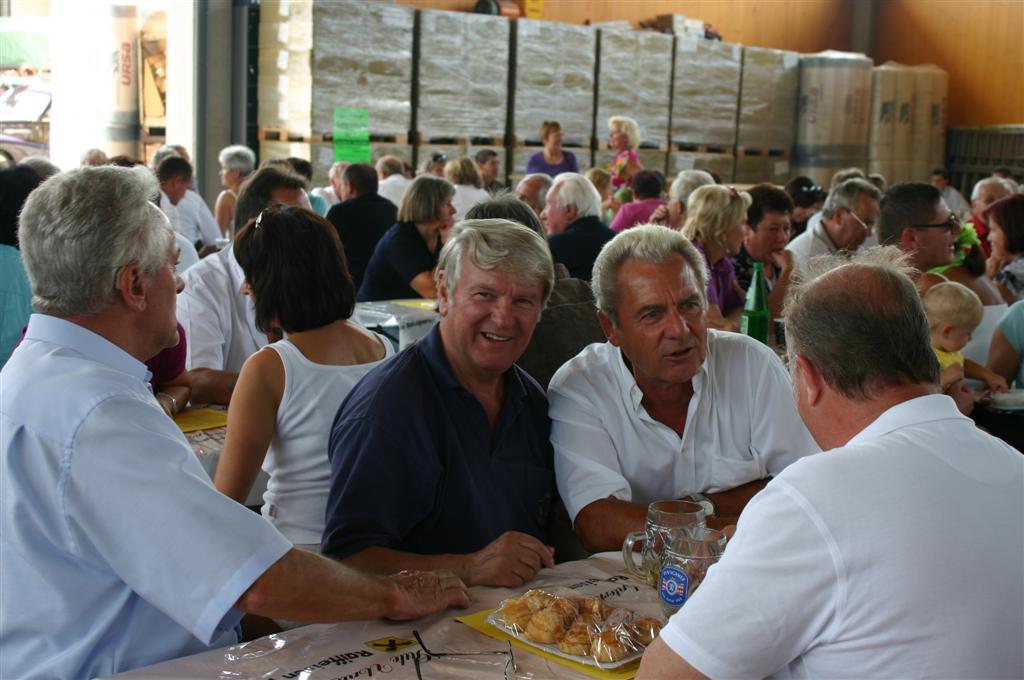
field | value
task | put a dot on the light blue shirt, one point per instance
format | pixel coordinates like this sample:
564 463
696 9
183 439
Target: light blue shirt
115 550
15 300
1012 326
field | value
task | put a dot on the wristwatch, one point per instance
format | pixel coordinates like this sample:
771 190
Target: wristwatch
701 500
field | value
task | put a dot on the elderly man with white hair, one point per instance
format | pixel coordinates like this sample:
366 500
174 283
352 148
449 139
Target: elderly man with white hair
847 219
120 550
533 190
333 191
476 485
572 216
986 192
832 570
666 408
673 213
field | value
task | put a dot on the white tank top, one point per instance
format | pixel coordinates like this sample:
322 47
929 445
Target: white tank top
296 497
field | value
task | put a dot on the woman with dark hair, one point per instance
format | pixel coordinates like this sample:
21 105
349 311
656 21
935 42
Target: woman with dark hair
16 183
808 198
1006 234
647 186
402 264
553 160
287 394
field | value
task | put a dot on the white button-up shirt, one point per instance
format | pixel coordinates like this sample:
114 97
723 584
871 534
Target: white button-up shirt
393 188
741 425
117 551
191 218
219 319
813 242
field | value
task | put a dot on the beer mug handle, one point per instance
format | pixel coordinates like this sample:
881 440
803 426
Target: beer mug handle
627 552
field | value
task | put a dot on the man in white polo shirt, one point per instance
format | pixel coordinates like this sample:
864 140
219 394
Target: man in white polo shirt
899 551
666 408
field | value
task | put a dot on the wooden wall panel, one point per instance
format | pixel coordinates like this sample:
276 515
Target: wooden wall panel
800 25
979 43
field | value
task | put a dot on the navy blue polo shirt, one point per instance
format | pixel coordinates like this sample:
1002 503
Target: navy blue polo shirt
399 257
577 247
416 467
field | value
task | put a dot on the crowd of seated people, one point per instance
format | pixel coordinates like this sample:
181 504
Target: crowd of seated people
582 367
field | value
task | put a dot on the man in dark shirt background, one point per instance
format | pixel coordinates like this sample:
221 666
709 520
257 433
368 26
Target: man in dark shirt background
575 230
361 218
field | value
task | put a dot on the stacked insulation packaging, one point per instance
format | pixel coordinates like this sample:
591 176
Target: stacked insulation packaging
634 80
315 57
889 139
833 114
929 121
462 75
705 101
552 88
764 136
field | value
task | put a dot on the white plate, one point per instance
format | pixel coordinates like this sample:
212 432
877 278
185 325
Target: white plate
1009 401
495 619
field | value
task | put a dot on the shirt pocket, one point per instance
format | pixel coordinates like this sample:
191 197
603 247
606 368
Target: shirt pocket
730 472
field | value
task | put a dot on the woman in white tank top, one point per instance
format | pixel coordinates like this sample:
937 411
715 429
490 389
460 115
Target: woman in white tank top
287 394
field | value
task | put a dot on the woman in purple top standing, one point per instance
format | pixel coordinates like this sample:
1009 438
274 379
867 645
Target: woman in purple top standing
715 217
553 160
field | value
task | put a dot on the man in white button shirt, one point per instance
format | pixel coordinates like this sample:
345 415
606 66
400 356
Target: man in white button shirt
117 550
847 219
665 408
896 553
218 317
391 179
193 220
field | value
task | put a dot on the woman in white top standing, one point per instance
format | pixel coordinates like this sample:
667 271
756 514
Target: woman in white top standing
469 184
288 393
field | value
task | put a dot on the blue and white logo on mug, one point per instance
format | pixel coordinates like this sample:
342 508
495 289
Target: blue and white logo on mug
673 585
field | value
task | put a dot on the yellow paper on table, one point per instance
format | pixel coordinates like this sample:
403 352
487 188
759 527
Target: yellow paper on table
425 304
478 622
200 419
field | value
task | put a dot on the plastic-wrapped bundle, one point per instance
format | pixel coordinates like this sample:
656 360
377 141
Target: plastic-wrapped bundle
285 80
890 147
833 114
362 58
757 169
463 74
929 121
706 92
718 163
771 81
554 78
634 79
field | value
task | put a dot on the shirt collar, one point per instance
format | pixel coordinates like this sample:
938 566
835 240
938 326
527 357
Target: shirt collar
584 222
235 270
926 409
632 393
93 346
433 350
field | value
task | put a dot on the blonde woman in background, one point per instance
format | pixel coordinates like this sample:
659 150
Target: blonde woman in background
623 138
236 163
469 184
715 217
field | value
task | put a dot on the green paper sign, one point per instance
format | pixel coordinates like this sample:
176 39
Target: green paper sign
352 135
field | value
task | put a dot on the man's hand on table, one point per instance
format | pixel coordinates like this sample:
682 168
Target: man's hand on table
419 593
510 560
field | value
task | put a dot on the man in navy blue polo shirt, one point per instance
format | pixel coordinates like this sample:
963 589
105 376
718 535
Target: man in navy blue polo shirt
441 456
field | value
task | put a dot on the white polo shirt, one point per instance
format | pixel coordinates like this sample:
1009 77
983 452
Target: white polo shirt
219 319
741 425
191 218
898 555
813 242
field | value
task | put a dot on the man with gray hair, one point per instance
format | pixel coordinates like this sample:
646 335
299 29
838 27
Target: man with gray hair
848 217
476 484
391 179
673 213
572 216
832 569
533 190
332 192
666 408
986 192
122 551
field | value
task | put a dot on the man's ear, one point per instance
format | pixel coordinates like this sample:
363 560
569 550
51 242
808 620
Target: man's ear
608 327
572 213
908 240
443 302
132 287
812 383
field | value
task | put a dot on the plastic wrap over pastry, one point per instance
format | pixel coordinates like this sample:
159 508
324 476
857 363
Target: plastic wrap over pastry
771 81
362 58
568 625
554 80
463 74
706 92
634 79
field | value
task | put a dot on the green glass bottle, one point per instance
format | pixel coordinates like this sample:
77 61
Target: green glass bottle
755 310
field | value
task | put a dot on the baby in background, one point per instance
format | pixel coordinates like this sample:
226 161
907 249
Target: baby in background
954 311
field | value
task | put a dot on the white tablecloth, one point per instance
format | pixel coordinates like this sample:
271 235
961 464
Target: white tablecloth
361 649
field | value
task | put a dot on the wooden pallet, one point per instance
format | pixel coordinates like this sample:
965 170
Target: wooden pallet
645 146
571 144
755 152
714 149
425 139
271 134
